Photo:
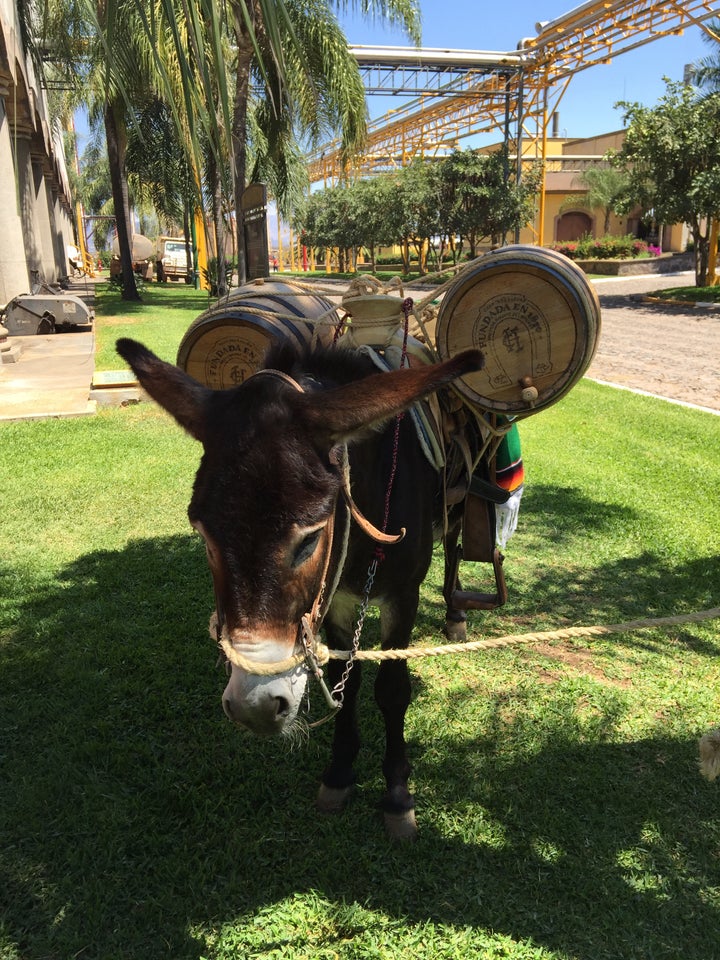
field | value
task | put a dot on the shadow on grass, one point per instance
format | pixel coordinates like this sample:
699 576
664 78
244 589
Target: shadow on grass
636 303
581 592
135 819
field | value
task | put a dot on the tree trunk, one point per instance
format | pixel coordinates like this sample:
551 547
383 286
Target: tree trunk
701 256
190 275
116 147
218 225
239 134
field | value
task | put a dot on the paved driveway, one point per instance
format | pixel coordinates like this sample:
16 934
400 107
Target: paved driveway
668 350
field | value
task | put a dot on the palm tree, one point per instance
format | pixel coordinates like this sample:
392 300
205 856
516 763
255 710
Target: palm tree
605 187
293 75
99 48
706 72
294 79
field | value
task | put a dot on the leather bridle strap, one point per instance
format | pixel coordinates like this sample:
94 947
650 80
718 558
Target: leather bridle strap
365 525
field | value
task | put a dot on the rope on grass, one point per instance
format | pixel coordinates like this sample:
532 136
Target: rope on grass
492 643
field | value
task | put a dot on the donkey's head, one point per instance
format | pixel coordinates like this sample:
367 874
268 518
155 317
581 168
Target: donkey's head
264 502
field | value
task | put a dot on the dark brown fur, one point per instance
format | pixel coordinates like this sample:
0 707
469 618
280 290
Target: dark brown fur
269 466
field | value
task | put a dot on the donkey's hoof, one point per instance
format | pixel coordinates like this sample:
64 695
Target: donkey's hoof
333 799
456 631
401 826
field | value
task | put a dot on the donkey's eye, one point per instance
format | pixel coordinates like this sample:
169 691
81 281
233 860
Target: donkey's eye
306 548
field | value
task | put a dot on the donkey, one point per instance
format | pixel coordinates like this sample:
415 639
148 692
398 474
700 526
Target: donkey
272 501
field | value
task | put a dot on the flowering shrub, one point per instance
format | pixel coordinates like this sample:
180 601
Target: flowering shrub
569 249
606 248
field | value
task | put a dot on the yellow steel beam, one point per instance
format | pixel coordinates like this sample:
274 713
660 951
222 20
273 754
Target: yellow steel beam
587 36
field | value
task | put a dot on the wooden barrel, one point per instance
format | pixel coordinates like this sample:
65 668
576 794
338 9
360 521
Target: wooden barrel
228 343
536 318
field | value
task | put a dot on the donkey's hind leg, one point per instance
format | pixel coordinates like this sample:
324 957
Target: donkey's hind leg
455 628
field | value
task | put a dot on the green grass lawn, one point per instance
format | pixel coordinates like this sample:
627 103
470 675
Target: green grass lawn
689 294
562 816
160 320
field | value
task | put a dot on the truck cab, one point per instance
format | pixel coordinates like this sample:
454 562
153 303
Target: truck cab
172 261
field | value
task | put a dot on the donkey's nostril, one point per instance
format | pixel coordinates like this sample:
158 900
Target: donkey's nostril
282 708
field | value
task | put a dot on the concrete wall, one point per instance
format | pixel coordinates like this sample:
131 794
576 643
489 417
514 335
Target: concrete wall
35 202
14 276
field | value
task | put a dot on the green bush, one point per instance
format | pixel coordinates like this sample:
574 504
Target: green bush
210 274
394 260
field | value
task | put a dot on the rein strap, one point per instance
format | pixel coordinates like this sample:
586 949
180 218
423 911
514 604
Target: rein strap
365 525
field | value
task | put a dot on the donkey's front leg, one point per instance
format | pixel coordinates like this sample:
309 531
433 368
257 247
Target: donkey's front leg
392 694
338 779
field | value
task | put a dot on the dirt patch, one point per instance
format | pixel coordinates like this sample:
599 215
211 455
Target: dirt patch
581 661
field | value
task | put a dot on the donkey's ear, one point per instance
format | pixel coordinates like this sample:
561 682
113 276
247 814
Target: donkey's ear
182 397
344 412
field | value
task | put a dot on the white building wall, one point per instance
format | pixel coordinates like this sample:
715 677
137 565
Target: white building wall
14 277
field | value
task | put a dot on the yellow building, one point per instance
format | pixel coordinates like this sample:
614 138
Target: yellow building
563 220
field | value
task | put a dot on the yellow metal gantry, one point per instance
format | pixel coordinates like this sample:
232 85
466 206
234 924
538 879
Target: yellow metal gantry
465 93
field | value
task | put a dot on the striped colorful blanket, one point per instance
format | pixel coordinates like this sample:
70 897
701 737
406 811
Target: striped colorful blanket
510 475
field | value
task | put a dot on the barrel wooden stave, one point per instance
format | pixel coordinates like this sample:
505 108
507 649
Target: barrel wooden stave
227 343
534 315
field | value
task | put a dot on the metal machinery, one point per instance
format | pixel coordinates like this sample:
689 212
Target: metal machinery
47 310
459 93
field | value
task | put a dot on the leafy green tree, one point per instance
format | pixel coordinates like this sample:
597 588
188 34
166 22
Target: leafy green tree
159 169
488 202
94 189
294 80
330 218
312 90
373 199
418 195
102 51
673 166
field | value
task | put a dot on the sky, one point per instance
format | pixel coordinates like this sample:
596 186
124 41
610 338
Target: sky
587 107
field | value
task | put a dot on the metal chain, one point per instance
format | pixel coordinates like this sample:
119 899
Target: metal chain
338 691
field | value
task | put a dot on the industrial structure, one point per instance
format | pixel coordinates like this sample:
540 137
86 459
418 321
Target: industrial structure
510 95
454 94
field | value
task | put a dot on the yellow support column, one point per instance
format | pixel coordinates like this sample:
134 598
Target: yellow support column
201 244
87 261
541 224
712 278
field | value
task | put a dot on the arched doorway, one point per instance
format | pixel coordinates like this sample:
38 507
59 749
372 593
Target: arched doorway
572 226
